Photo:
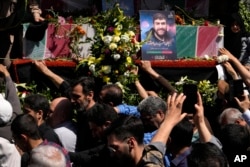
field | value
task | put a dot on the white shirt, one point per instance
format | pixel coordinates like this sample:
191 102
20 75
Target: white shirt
67 135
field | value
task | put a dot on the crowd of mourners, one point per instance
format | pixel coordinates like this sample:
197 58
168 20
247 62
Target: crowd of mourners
85 128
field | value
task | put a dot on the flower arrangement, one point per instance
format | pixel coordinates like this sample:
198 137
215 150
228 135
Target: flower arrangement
205 87
114 47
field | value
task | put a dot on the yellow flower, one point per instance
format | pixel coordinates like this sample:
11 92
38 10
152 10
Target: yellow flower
98 60
131 33
91 60
106 79
117 32
106 69
129 60
116 72
116 38
112 46
119 27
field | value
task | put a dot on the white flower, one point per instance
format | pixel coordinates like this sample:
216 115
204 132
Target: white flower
127 74
181 81
112 46
92 68
24 94
116 56
222 58
106 69
107 39
137 46
116 38
121 86
206 57
125 38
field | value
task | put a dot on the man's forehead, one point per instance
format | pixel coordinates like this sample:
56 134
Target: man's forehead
160 20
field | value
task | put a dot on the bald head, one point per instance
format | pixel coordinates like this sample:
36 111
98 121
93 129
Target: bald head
61 111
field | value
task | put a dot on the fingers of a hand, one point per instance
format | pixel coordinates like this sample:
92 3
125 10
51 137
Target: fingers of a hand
180 98
199 102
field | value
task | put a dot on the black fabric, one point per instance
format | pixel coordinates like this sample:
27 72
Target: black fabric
15 18
2 123
94 157
48 133
36 31
85 139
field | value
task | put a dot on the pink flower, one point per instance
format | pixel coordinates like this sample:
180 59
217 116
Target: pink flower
110 29
61 20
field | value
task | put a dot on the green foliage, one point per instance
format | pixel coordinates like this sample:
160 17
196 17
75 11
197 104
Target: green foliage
244 7
205 87
24 89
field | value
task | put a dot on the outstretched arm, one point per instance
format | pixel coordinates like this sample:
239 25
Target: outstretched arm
146 66
56 79
10 91
142 92
199 120
242 70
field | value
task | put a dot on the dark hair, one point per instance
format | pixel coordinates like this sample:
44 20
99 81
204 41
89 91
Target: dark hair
206 155
234 138
181 135
101 113
160 16
127 126
25 124
113 94
87 83
38 102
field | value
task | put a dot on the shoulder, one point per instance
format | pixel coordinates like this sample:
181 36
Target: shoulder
153 155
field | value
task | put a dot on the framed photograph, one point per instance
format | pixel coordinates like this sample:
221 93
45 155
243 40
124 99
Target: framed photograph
158 30
127 6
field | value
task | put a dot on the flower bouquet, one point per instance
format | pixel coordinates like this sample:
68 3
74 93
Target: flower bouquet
114 47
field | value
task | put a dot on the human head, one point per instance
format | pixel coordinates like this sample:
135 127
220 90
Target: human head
125 137
36 105
82 93
47 156
234 138
206 155
24 128
99 117
6 111
160 24
180 136
111 94
60 111
231 116
152 110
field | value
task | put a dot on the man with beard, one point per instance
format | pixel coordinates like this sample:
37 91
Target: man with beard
159 33
82 95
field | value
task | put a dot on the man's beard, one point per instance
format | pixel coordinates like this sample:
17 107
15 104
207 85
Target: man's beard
161 35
